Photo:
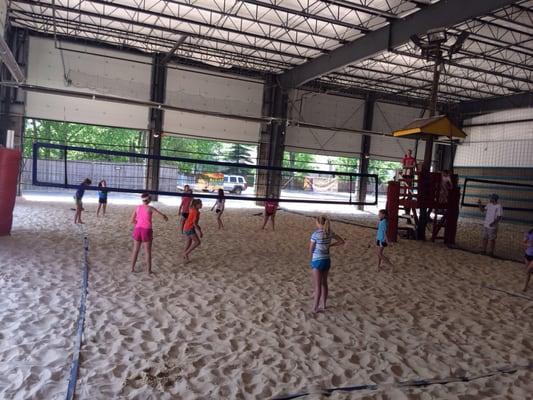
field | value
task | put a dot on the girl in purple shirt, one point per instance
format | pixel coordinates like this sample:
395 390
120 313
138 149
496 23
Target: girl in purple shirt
528 242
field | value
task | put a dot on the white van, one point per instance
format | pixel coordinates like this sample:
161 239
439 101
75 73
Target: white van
235 184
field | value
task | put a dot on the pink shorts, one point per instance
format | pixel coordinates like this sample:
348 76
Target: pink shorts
142 235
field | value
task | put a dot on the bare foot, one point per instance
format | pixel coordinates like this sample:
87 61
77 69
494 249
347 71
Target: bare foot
133 269
150 272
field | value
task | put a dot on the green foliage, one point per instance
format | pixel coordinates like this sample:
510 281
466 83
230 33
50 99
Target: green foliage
384 169
298 160
119 139
190 148
81 135
239 153
346 164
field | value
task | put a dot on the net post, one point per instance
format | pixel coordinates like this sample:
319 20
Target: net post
155 126
65 170
351 188
272 144
392 207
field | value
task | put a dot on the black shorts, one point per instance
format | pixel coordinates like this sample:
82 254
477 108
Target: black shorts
529 258
218 211
185 215
379 243
102 201
267 214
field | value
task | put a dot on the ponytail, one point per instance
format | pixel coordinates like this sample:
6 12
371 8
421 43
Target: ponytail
325 223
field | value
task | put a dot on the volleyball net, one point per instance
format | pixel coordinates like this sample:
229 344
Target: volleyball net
63 166
516 196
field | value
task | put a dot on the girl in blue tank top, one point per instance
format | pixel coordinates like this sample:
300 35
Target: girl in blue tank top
381 239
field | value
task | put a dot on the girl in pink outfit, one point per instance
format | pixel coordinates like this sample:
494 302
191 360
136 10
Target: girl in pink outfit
142 233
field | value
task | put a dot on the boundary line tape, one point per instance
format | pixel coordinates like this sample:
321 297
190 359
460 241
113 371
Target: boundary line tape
75 366
412 383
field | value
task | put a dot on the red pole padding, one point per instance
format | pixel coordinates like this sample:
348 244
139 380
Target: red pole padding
9 173
393 204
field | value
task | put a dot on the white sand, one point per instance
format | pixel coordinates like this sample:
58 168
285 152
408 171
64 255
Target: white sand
234 324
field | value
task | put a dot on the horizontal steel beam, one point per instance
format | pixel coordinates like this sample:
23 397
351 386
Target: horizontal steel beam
362 8
521 100
396 33
169 107
307 15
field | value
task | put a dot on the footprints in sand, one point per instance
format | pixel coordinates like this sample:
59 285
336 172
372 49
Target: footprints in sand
232 327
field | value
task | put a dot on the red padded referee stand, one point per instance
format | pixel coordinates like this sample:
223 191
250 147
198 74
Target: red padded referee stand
9 173
392 207
428 194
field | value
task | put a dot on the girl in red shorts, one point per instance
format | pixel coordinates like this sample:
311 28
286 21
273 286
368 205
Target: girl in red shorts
142 233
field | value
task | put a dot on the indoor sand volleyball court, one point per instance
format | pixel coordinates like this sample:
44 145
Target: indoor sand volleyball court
266 199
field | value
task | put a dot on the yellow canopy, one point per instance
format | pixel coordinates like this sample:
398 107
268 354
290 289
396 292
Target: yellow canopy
438 126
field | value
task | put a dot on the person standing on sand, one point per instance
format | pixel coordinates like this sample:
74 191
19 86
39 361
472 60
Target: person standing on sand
102 197
382 240
528 242
143 233
271 206
319 245
192 230
186 200
219 207
78 197
493 215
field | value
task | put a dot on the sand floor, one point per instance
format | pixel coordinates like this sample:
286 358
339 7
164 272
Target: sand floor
235 323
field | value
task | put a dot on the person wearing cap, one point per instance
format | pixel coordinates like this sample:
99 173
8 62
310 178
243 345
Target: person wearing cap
493 215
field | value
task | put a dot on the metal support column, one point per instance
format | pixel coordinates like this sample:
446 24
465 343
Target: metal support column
364 159
424 177
272 142
12 99
155 124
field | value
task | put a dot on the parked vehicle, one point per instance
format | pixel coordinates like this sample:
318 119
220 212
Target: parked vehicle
235 184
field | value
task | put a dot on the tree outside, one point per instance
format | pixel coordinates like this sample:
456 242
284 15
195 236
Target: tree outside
385 170
89 136
292 159
241 154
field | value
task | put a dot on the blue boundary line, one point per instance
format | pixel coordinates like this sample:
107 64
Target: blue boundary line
412 383
75 366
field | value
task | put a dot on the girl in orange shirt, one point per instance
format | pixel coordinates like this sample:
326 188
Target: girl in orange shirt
192 230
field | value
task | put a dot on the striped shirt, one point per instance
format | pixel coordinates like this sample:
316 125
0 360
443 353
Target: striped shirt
322 242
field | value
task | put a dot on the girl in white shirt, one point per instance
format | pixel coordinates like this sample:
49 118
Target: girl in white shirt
219 208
